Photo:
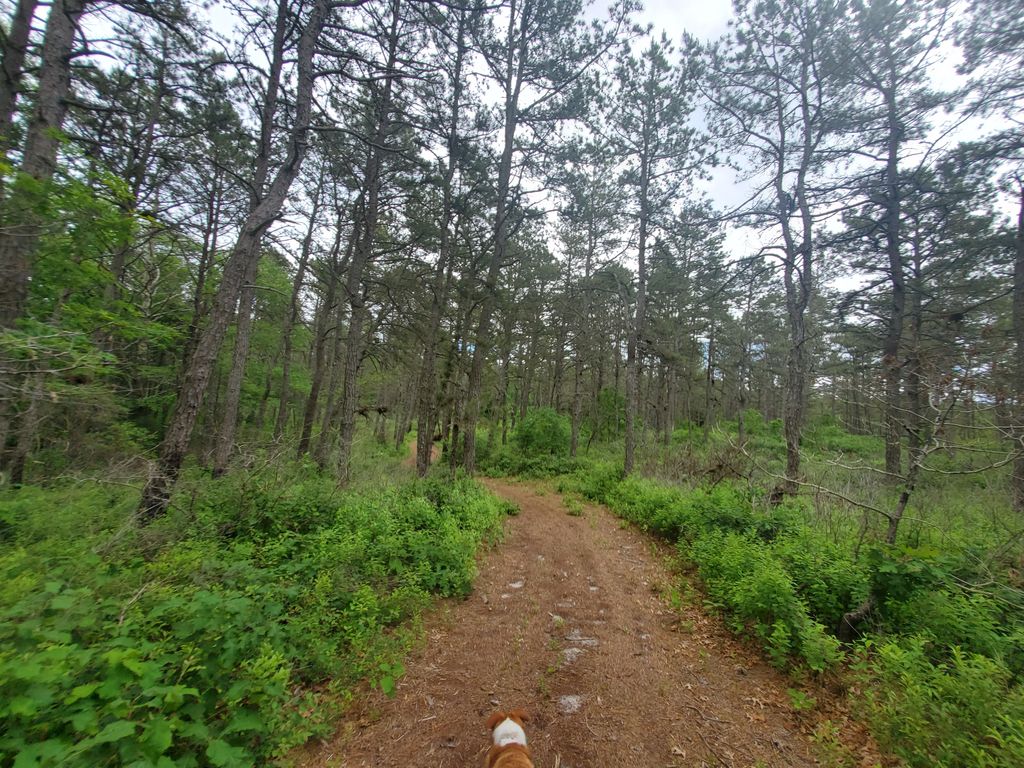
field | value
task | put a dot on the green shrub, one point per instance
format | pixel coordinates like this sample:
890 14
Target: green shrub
514 464
262 604
830 438
824 575
543 432
686 433
743 577
597 481
961 713
949 619
651 506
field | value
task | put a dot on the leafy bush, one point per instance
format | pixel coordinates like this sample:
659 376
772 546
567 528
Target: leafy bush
742 575
830 438
597 481
647 504
543 432
539 449
948 619
232 641
514 464
966 711
826 578
672 513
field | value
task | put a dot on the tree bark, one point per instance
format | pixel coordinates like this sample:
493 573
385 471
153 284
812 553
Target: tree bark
330 415
243 334
294 309
329 314
28 427
891 365
19 238
636 336
798 272
1017 481
512 85
157 492
268 387
709 381
577 406
426 399
363 254
13 49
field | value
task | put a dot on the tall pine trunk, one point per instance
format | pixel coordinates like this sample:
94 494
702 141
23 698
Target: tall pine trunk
157 492
19 237
243 335
634 352
512 85
13 49
892 367
426 398
294 310
1018 332
362 256
329 317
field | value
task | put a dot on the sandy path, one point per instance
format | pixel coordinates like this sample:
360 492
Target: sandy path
567 621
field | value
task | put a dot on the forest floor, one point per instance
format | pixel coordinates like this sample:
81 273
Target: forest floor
578 620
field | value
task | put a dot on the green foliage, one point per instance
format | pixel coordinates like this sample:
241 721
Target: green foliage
513 463
800 701
573 506
949 619
827 579
543 432
826 437
225 633
93 340
597 481
756 565
966 711
942 687
743 576
611 414
539 449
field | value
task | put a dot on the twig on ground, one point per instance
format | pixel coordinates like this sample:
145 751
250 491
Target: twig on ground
706 718
712 749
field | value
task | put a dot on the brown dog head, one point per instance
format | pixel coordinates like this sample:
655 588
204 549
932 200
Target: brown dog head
518 716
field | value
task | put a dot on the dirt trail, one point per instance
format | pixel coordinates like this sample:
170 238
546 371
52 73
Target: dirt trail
567 620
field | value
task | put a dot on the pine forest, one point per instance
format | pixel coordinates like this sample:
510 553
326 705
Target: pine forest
311 311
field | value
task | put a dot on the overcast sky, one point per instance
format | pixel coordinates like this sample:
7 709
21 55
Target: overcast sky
707 20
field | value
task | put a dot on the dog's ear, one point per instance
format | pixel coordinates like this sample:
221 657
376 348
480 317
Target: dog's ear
520 715
494 719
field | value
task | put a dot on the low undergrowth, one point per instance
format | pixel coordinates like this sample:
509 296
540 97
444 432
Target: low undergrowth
941 660
539 449
225 633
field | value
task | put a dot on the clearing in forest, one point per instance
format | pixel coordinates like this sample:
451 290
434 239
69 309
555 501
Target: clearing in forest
569 619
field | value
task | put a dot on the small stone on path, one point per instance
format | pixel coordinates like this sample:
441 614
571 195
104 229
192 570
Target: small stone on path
569 655
570 704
